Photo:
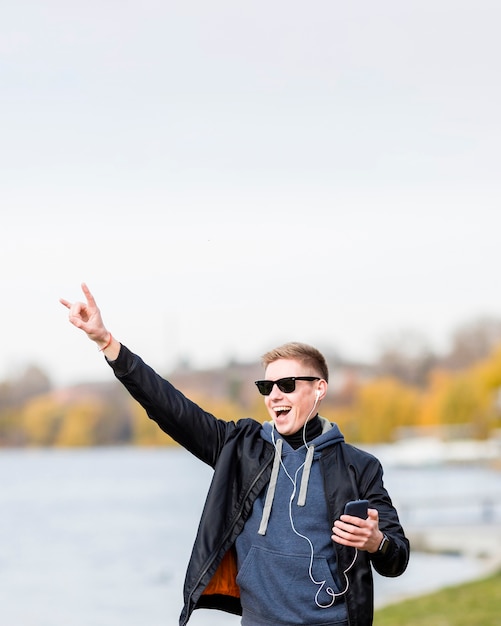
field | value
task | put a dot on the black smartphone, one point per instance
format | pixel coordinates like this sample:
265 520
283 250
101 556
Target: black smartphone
357 508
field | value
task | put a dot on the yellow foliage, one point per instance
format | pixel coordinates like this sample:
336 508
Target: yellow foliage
343 417
385 405
377 409
372 412
434 398
489 371
463 398
47 420
79 425
220 408
40 419
258 410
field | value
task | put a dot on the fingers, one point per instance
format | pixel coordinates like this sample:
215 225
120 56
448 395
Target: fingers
78 307
89 297
345 528
78 312
349 535
356 532
352 520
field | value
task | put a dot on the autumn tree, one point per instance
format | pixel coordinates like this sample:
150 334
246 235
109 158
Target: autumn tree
78 428
41 418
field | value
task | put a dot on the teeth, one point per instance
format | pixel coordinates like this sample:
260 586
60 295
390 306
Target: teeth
280 409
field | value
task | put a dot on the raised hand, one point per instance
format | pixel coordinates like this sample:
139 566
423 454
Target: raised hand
87 317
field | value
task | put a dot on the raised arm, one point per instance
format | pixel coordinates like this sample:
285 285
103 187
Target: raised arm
87 317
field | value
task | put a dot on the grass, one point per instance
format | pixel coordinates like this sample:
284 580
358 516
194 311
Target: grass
476 603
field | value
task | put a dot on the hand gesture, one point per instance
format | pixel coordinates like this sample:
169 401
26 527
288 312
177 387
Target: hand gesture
87 317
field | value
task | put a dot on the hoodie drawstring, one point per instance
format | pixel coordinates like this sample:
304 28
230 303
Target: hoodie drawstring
270 494
301 501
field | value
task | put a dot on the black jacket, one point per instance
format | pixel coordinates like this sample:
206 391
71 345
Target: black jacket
242 461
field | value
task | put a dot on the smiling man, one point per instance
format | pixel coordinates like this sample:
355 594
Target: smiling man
273 543
290 403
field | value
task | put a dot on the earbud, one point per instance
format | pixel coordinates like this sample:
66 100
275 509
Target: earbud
317 393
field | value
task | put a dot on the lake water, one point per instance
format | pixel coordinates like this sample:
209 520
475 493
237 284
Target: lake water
101 537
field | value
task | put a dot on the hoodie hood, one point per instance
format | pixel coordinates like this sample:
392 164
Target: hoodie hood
330 435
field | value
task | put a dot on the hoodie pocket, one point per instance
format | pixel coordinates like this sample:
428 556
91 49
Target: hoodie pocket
280 589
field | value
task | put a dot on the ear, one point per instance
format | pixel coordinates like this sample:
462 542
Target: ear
321 390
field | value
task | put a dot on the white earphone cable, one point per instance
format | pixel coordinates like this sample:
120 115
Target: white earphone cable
321 583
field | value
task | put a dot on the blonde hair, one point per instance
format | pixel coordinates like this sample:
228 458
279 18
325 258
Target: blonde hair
308 355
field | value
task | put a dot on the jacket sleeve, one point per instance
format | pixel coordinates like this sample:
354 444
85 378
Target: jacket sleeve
199 432
394 561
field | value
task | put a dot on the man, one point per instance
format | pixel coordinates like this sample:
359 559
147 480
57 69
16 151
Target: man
273 544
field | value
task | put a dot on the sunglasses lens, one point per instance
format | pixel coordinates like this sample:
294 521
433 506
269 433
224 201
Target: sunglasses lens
287 385
264 387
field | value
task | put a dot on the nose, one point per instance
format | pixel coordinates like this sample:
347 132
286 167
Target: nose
275 392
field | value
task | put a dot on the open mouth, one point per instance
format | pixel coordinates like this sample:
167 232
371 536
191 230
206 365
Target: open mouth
282 411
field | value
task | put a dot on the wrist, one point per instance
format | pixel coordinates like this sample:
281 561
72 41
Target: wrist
105 342
378 540
384 545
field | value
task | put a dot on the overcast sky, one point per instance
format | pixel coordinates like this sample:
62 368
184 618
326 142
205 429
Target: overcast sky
229 175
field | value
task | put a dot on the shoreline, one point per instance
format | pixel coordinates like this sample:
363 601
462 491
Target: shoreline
477 541
474 552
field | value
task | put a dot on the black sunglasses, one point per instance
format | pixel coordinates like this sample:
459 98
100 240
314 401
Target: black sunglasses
286 385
